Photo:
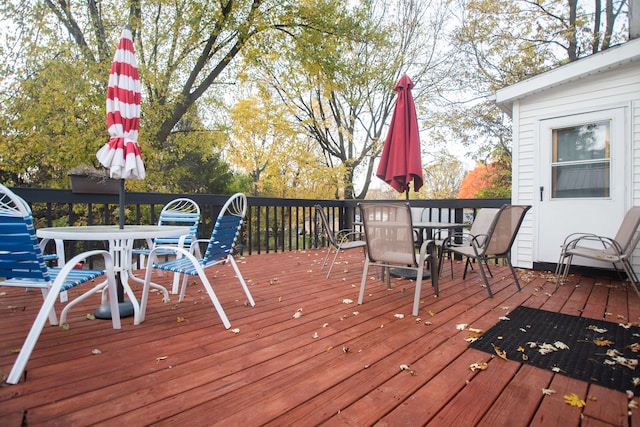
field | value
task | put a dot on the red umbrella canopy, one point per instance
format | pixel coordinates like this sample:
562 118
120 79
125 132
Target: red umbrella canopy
122 153
400 161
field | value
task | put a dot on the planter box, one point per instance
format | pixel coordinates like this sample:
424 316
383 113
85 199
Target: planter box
94 185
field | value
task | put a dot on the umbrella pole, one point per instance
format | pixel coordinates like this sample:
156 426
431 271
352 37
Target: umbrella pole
125 306
121 203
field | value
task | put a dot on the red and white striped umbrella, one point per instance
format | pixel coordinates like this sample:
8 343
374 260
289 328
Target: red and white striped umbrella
121 155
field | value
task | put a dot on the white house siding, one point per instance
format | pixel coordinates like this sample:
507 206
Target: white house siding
619 86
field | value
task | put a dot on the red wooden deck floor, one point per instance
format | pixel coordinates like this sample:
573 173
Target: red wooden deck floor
337 364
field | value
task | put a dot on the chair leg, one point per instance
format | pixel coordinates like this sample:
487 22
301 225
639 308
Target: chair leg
212 296
631 275
416 297
32 337
326 257
484 277
242 282
363 283
333 262
513 272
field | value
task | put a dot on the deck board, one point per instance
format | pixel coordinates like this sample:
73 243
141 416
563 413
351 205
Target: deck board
195 372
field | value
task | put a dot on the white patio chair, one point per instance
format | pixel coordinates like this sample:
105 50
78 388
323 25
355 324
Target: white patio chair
497 242
340 241
220 249
22 265
182 211
389 233
617 250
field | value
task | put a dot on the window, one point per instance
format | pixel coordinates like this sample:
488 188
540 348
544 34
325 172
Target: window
581 161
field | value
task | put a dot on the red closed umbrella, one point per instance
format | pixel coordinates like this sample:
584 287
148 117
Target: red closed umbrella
401 161
121 154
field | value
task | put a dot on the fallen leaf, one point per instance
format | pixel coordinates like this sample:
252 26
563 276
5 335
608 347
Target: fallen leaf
91 316
236 330
179 319
461 326
478 366
399 316
347 301
602 342
96 351
574 400
547 392
596 329
635 347
501 353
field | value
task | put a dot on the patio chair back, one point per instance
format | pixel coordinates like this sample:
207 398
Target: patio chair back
226 229
628 234
504 228
22 264
180 211
389 233
482 222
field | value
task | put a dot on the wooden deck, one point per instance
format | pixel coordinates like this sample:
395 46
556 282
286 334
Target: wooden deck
275 371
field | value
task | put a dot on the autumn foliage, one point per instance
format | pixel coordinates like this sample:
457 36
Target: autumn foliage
485 181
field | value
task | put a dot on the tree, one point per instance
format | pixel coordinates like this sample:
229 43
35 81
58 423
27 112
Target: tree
502 42
54 97
487 181
442 177
343 96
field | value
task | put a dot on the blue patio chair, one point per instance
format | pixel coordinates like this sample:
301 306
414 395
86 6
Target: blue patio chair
219 250
23 265
180 211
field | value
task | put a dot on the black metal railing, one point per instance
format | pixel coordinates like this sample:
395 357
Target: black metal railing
271 225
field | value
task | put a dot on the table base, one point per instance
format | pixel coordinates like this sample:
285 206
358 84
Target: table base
408 273
104 311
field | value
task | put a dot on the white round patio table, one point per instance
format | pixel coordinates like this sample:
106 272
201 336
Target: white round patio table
120 246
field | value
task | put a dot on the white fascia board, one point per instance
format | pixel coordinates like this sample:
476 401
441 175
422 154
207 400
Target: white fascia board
594 64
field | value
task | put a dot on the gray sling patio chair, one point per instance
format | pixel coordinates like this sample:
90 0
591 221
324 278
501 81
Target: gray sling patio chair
341 241
390 243
496 243
479 227
616 250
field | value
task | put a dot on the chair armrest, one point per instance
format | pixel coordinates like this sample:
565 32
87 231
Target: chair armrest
347 233
459 238
605 241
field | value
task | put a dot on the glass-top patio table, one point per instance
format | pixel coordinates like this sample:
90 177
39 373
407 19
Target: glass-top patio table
120 246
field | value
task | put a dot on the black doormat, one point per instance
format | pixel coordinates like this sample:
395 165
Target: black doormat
596 351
